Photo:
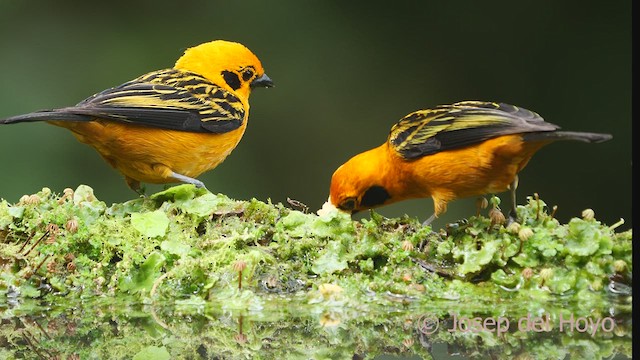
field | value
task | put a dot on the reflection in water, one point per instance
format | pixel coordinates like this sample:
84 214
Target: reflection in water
191 331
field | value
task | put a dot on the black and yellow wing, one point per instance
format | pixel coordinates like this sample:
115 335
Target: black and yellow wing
445 127
169 99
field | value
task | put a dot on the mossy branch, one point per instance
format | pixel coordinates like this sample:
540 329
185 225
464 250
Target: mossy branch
187 247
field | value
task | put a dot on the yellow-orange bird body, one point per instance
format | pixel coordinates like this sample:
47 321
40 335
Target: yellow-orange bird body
169 125
454 151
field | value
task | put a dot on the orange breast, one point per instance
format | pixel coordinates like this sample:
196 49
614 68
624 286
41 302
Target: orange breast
488 167
135 150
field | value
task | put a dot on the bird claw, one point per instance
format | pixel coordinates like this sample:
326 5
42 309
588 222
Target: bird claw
457 225
188 180
141 191
513 217
199 184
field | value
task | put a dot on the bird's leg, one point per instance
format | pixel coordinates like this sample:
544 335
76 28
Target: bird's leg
188 180
429 220
425 241
135 185
440 207
513 215
481 203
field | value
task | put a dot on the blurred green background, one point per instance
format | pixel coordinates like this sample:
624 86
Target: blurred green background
344 73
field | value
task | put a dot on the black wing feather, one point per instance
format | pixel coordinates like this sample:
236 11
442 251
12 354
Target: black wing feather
168 99
445 127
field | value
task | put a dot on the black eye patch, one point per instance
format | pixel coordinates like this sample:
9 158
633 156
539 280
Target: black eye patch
374 196
231 79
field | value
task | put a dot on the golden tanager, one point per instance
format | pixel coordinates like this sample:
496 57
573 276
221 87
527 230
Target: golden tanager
466 149
169 125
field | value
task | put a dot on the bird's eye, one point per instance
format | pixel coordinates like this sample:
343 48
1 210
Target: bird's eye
347 204
247 74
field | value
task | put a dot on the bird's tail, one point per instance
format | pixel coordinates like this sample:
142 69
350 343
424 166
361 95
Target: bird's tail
567 135
45 115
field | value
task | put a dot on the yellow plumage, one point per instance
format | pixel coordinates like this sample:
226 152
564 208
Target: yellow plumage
169 125
453 151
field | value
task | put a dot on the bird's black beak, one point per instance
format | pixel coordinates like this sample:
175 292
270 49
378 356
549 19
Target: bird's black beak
262 81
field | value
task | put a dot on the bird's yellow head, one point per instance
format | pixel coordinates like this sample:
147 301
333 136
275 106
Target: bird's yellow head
360 183
228 64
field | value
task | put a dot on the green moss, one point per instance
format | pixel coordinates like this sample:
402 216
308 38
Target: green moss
180 251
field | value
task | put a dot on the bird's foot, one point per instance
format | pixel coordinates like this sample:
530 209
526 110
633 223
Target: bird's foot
513 217
457 225
188 180
136 186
